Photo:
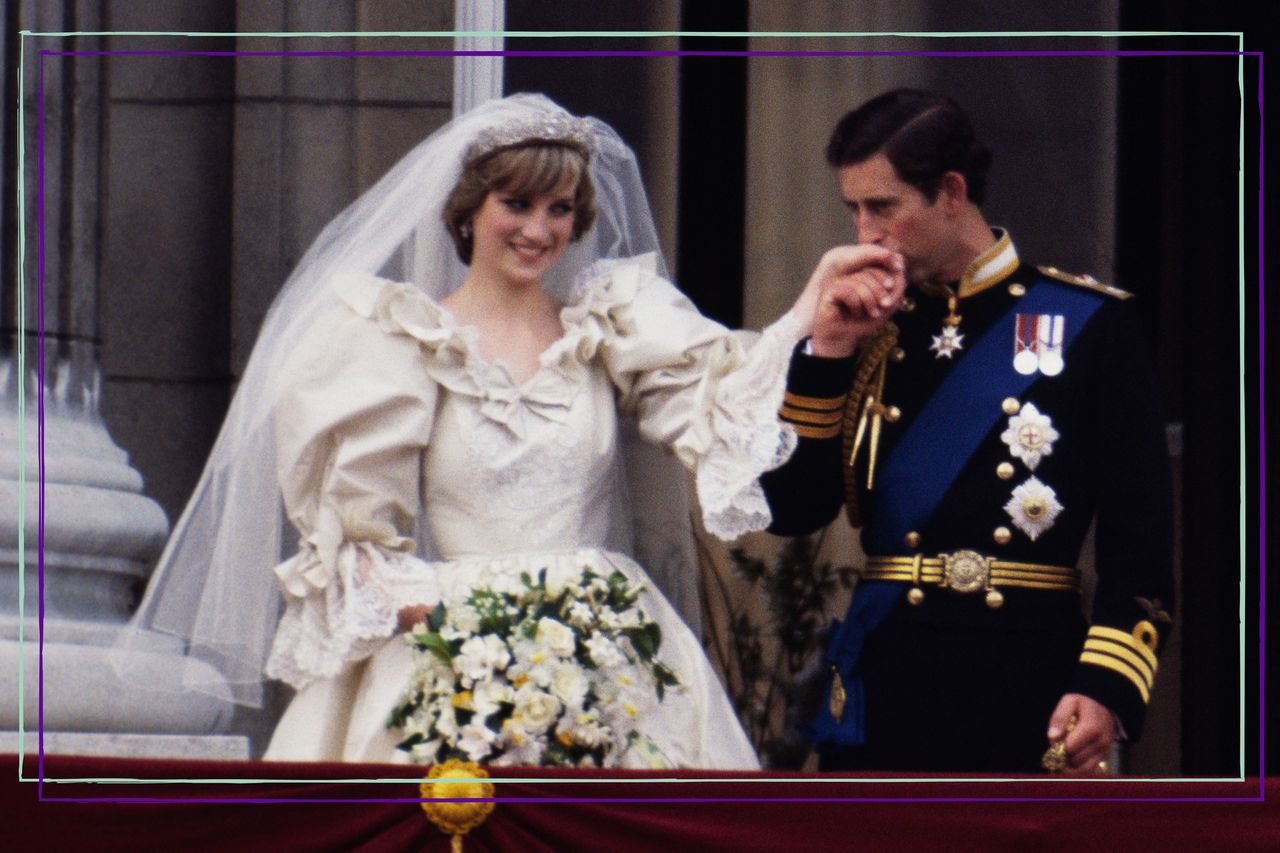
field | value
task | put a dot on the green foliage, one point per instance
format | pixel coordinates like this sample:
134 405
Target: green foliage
794 590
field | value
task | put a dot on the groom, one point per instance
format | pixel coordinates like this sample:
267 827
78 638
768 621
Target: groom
973 428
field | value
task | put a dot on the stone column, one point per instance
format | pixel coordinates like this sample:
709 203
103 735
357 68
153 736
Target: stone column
77 534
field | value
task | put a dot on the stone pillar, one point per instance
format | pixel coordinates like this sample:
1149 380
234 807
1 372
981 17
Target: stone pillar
68 586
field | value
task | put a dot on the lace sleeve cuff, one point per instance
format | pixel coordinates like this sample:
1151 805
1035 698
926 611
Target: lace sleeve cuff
748 437
334 617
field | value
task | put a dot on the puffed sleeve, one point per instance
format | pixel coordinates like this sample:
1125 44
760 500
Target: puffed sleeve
709 394
350 429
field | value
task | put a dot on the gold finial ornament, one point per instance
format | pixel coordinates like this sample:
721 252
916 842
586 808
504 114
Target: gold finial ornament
456 780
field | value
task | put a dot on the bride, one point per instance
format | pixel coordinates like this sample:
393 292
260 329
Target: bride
441 393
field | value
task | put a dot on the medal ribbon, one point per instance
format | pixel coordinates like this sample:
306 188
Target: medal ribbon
939 441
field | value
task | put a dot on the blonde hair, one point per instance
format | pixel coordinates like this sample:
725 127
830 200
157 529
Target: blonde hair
528 169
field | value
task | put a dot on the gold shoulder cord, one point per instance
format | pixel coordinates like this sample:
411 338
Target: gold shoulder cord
864 406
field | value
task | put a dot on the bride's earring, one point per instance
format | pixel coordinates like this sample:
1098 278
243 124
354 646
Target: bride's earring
464 230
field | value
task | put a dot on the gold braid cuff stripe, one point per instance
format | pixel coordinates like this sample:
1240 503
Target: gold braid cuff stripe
813 417
1139 666
820 404
806 417
815 432
1103 634
1122 667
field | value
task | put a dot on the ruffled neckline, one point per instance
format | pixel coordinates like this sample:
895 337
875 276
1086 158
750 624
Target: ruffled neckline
598 311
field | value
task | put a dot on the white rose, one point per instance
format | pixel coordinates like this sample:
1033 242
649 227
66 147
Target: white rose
464 618
580 614
446 722
479 657
535 710
589 732
487 695
569 684
477 740
603 651
556 636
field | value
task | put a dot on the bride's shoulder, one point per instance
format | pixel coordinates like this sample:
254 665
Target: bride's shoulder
361 318
616 283
371 296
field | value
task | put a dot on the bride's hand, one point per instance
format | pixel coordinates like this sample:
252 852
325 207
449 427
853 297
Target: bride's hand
412 615
853 290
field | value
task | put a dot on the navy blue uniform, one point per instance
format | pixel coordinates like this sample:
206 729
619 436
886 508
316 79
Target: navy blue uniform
966 681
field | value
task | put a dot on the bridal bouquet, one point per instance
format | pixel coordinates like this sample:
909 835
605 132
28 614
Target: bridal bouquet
526 672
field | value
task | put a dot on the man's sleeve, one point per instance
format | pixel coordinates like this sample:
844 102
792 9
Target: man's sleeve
1133 604
807 491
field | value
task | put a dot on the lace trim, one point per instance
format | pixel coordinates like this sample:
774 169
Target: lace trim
333 618
749 437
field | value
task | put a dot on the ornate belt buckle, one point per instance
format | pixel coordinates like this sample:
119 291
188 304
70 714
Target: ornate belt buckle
965 571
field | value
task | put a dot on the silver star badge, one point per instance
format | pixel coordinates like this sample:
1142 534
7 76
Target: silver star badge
948 342
1033 507
1030 435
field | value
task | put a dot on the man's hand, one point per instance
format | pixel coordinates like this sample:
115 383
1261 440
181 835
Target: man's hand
853 290
1089 742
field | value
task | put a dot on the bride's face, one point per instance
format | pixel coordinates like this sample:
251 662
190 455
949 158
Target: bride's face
518 237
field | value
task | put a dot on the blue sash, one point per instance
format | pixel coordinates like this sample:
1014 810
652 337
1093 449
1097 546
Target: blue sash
941 439
917 473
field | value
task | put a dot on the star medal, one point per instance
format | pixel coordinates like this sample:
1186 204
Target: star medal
1030 436
950 341
1051 344
1033 507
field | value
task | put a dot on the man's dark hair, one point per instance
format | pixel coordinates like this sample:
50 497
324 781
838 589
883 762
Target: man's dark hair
923 134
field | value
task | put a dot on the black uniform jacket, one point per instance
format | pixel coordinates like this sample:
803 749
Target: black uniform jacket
1109 461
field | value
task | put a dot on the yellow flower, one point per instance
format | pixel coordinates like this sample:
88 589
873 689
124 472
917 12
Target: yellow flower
462 700
519 680
564 738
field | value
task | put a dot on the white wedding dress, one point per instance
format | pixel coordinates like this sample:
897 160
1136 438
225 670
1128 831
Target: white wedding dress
389 404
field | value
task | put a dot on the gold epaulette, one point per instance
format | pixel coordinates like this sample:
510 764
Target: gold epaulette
870 360
1086 281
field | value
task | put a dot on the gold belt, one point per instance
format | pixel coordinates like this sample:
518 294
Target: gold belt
969 571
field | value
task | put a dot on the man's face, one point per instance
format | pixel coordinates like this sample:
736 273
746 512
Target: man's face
891 213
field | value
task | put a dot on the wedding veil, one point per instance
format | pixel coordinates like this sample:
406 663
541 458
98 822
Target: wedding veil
213 586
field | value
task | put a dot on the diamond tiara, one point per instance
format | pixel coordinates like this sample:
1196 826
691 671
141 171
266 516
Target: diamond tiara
548 127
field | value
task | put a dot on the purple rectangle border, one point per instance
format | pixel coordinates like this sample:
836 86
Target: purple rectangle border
40 278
